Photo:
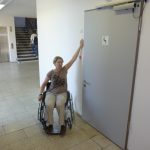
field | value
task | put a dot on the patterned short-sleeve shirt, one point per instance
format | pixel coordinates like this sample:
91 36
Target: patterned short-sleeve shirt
58 81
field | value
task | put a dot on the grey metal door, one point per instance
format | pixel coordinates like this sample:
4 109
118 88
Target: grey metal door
109 55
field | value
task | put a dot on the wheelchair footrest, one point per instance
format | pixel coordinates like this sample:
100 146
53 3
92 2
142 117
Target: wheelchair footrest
55 131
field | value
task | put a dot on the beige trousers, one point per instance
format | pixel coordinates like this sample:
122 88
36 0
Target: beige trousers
59 100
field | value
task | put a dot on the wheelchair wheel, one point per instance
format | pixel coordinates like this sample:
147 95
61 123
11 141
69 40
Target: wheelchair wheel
69 123
39 112
71 109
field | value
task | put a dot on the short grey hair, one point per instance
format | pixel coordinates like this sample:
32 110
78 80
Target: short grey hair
56 58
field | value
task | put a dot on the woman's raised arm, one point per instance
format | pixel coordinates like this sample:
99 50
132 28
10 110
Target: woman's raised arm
69 64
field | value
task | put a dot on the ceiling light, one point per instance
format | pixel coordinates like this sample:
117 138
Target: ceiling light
1 6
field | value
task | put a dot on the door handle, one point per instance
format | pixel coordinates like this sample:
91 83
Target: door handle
85 83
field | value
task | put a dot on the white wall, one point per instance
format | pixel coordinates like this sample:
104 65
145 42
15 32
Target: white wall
60 27
140 123
8 21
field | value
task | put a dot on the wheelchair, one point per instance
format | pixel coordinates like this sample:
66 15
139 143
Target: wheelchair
69 112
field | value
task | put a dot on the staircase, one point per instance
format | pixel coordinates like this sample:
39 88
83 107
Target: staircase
24 50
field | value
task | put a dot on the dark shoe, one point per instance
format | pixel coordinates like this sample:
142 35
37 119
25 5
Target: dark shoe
48 129
63 130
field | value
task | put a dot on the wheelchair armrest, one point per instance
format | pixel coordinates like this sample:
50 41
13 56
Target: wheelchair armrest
48 85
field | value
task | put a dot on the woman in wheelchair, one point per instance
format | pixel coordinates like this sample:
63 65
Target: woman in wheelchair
57 92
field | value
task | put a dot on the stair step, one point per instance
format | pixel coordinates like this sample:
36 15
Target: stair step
22 33
23 30
18 33
27 59
24 52
23 45
20 28
26 56
22 38
23 42
24 49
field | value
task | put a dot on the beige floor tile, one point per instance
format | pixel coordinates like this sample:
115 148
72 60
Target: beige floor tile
20 124
15 126
6 120
79 121
8 139
112 147
2 130
101 140
23 144
89 130
87 145
34 130
63 144
40 142
21 115
81 124
72 137
5 114
49 146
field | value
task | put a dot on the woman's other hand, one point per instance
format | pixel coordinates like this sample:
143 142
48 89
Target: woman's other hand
40 97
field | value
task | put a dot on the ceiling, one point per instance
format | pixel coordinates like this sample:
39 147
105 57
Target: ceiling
20 8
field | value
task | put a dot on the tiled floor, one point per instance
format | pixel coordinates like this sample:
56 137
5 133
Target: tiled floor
19 127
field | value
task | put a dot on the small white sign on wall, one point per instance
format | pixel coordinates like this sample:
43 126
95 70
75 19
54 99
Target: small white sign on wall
105 40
